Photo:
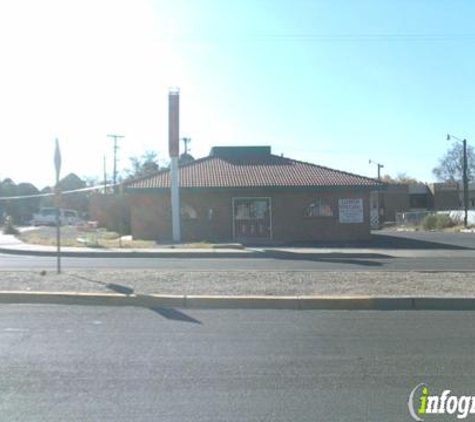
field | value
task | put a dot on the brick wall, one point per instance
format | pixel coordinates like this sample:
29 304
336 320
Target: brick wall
151 215
446 196
393 200
111 211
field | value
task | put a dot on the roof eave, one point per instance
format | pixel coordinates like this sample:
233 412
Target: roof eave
256 188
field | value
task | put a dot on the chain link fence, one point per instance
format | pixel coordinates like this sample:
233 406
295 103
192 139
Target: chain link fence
411 218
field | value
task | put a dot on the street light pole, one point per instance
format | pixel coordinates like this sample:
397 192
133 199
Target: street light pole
464 178
380 166
465 184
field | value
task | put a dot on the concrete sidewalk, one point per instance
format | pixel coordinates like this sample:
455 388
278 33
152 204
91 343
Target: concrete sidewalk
11 245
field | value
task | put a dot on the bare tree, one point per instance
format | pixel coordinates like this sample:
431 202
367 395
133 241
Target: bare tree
401 178
450 168
144 165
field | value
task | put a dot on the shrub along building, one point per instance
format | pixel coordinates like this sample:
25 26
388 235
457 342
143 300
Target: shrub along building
248 194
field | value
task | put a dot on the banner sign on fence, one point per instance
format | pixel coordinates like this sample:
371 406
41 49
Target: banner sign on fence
350 210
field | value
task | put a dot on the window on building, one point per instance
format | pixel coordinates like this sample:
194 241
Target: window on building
188 212
319 208
210 213
251 208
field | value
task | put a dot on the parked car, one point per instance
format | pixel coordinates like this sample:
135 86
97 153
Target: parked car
47 217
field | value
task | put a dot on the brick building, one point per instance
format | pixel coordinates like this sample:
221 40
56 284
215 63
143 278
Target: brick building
248 194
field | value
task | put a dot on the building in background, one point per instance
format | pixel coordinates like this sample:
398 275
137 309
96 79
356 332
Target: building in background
420 198
247 194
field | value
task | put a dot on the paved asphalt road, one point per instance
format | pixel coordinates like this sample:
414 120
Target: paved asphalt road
454 264
132 364
429 240
456 246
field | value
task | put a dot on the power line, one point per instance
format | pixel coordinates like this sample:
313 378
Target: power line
376 37
44 195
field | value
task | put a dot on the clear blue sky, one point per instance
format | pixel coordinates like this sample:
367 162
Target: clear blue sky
331 82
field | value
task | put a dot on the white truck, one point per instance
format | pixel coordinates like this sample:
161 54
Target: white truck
47 217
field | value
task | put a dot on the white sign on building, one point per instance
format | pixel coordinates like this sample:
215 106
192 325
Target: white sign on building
350 210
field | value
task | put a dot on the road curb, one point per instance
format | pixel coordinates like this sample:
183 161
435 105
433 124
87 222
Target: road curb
240 302
129 254
212 253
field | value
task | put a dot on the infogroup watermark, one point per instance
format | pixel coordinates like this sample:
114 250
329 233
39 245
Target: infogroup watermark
423 402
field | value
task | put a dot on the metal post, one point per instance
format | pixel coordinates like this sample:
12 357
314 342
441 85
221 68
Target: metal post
464 177
58 235
105 175
121 213
465 184
115 163
57 165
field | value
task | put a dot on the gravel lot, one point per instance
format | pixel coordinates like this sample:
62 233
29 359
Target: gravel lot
245 282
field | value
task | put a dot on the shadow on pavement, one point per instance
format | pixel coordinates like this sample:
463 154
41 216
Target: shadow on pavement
342 258
386 241
381 241
117 288
168 313
173 314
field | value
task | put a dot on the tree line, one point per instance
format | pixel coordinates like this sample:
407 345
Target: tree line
21 210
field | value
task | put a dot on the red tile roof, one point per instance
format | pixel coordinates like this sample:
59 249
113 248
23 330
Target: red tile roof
252 171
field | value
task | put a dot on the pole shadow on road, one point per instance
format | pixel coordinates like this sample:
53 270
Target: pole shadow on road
342 258
420 241
173 314
168 313
390 240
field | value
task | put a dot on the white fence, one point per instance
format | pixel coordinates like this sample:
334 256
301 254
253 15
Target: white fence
457 215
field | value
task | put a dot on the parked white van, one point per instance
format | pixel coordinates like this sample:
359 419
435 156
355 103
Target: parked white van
47 217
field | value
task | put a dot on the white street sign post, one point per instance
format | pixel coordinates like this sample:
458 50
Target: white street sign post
57 166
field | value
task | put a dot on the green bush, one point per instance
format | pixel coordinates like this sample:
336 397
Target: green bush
437 222
429 222
444 221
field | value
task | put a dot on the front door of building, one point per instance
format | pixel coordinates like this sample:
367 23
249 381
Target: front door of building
252 218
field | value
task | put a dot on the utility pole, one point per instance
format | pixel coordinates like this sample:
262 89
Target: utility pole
116 147
186 141
464 177
465 184
105 175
